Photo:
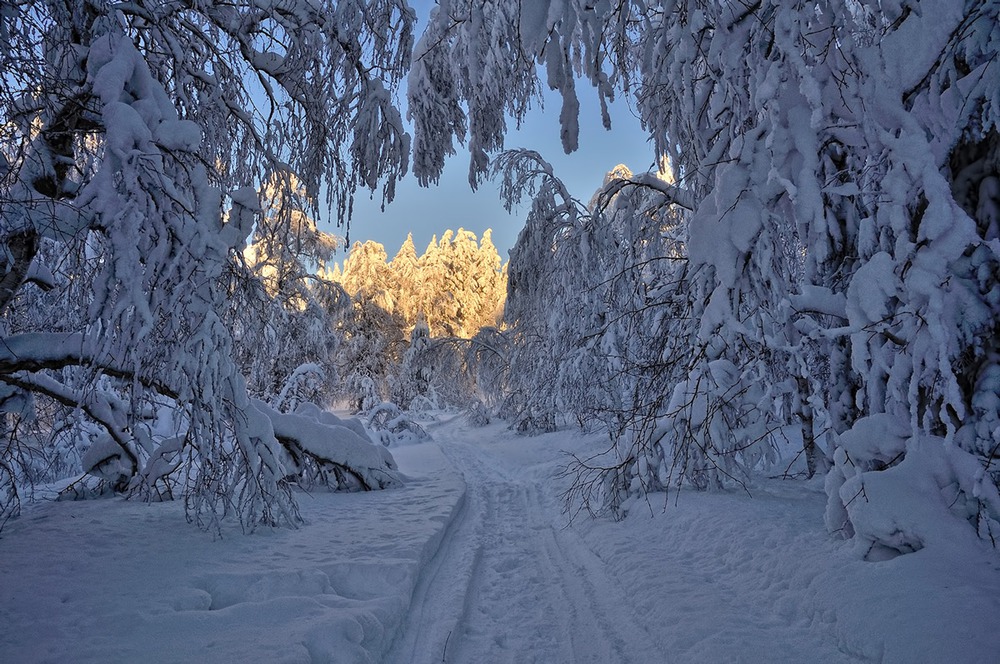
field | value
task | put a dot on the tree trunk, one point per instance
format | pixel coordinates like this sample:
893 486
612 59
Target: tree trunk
805 414
19 250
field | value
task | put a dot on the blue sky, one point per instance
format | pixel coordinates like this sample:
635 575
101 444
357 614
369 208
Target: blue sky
452 204
430 211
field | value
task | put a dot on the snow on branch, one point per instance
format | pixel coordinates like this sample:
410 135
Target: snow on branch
100 406
324 441
37 351
674 195
524 174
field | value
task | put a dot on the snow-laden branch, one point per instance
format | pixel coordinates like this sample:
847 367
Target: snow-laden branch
38 351
100 406
329 441
673 194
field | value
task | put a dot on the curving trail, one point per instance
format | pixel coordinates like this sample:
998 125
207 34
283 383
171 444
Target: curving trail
509 583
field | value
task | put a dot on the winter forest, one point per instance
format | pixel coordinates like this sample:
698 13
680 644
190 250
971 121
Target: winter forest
799 301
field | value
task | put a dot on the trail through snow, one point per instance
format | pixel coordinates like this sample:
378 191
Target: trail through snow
710 577
472 561
510 583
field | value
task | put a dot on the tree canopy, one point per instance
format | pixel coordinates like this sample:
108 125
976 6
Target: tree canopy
135 136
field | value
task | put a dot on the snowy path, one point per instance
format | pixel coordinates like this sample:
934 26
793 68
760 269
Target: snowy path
510 584
471 562
720 577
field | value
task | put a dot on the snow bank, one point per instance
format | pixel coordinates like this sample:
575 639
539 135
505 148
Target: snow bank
719 577
116 581
712 577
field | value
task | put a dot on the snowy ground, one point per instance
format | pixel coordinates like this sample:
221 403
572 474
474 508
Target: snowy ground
473 562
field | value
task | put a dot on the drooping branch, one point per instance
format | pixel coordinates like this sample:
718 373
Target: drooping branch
96 404
328 443
38 351
673 194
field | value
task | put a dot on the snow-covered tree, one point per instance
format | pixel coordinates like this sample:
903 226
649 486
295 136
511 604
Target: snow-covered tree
841 238
457 285
406 267
543 285
372 346
415 380
842 241
460 284
286 248
136 133
442 297
490 277
367 275
284 312
833 202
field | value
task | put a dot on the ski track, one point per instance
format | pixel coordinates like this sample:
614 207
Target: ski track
510 584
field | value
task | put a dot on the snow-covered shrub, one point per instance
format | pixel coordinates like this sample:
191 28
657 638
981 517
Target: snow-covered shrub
304 385
423 405
106 461
895 492
394 427
478 415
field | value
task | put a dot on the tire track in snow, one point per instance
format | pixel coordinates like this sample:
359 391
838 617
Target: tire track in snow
510 585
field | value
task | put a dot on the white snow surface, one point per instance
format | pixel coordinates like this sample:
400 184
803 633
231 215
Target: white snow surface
473 561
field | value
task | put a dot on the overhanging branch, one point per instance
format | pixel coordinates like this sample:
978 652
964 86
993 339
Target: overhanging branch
93 404
675 195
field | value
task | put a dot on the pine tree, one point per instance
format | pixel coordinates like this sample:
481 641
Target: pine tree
406 267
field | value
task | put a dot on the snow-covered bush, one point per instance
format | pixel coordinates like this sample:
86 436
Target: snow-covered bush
478 415
394 427
302 386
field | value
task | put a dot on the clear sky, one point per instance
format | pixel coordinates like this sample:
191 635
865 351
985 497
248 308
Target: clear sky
452 204
430 211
